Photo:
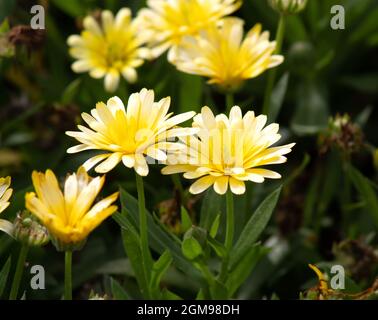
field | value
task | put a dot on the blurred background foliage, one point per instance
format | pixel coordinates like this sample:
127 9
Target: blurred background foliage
325 100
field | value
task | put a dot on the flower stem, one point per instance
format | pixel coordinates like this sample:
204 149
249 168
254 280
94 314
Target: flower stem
146 255
68 275
19 271
229 233
273 72
229 101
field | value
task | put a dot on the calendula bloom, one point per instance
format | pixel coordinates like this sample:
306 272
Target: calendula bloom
129 135
108 50
5 194
165 22
222 54
69 215
228 151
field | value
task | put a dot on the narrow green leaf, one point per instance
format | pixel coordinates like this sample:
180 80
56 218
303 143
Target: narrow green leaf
131 243
169 295
278 96
254 227
71 91
118 292
186 222
4 275
366 190
159 239
218 290
215 226
243 269
158 270
218 247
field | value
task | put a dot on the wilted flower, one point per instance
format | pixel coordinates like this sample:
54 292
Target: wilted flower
109 50
69 216
165 22
5 194
228 151
288 6
221 54
129 134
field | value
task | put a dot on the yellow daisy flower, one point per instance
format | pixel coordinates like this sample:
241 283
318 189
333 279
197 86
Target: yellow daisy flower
69 215
222 55
5 194
227 151
128 135
165 22
108 50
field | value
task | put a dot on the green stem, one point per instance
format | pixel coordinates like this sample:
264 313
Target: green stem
146 255
229 101
229 233
19 271
273 72
68 275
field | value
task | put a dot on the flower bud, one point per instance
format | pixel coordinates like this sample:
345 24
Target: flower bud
28 230
288 6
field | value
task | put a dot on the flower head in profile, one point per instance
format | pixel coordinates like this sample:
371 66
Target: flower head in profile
129 134
228 151
5 194
222 55
69 215
288 6
164 23
108 50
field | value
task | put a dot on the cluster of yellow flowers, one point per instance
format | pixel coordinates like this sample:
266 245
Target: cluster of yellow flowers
201 40
220 151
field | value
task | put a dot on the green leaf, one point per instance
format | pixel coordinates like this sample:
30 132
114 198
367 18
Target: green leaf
210 208
218 247
4 275
118 291
159 239
158 270
215 226
191 248
169 295
243 269
277 97
71 91
131 243
254 227
366 190
218 290
200 295
186 222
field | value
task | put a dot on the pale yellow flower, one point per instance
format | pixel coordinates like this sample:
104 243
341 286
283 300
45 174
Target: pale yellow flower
129 135
228 151
222 54
108 50
5 194
69 215
165 22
